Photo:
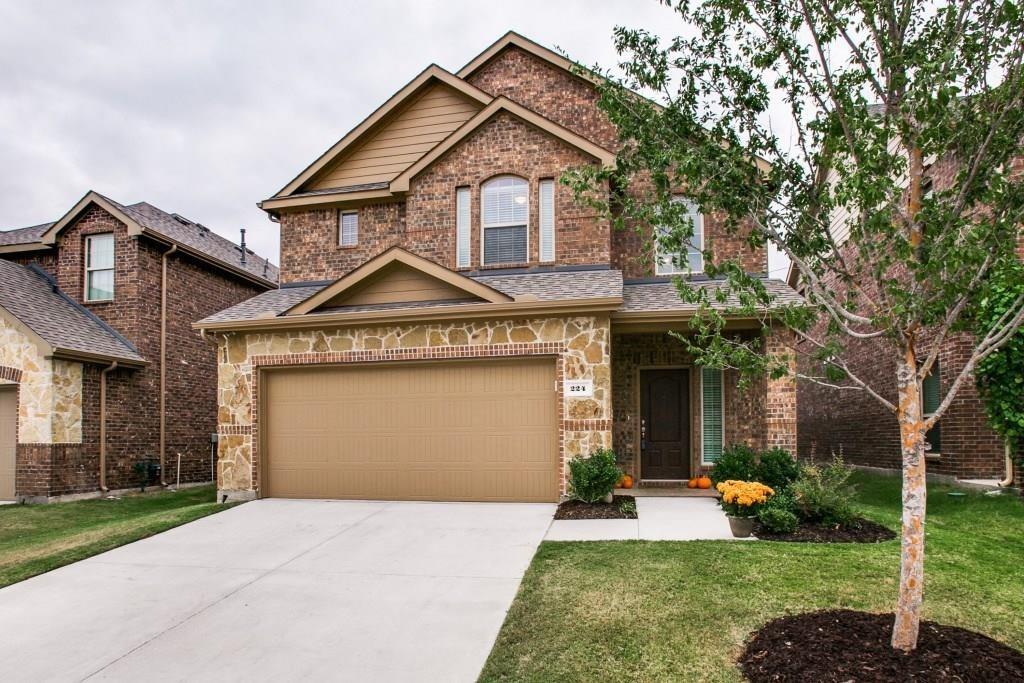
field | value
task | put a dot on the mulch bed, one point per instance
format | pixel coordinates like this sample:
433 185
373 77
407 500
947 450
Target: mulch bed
859 531
844 645
577 509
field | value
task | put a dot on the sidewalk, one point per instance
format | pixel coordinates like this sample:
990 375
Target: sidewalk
660 519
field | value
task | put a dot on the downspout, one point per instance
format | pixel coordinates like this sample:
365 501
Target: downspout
163 359
1008 480
103 425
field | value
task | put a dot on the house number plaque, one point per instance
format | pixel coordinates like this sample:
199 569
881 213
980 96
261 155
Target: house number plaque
579 388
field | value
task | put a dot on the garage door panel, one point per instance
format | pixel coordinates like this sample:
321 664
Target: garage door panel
467 430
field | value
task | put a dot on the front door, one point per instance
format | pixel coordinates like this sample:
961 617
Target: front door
665 424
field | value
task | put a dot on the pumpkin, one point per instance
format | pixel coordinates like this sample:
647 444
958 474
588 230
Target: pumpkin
692 484
704 482
627 482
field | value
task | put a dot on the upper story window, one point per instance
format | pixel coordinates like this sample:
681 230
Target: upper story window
546 190
504 212
99 267
462 199
671 262
348 228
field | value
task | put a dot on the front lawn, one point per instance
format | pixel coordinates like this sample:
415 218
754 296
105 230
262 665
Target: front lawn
655 611
37 538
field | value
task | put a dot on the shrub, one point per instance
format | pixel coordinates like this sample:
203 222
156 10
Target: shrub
737 463
777 515
777 469
822 494
593 478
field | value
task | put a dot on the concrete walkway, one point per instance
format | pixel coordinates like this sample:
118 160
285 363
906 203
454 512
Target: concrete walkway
282 590
660 519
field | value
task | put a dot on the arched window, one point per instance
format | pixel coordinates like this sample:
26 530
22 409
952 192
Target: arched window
504 220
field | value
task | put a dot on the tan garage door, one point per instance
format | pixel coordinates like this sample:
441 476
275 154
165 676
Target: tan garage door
464 430
8 423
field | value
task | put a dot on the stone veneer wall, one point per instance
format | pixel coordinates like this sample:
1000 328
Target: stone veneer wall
581 346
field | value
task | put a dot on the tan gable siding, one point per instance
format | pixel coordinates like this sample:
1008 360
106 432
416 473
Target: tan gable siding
406 137
399 284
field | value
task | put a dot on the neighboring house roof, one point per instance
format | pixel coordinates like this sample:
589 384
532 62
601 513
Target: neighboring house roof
23 239
64 328
657 297
172 229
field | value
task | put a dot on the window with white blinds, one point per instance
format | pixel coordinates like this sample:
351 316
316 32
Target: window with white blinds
669 261
504 211
348 228
712 400
462 227
547 220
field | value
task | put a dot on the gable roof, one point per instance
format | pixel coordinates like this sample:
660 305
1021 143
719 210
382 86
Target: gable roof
432 74
23 239
396 255
63 328
513 39
500 104
190 237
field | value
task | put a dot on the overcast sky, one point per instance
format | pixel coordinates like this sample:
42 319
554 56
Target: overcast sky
205 108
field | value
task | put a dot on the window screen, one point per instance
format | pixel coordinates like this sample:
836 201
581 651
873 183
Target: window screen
348 229
504 211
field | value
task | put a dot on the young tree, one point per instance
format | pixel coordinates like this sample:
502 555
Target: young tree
814 125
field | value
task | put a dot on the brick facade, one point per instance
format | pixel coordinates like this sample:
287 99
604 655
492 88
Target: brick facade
47 470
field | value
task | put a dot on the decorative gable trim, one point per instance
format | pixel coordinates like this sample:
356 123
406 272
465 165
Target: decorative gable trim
91 197
397 255
500 104
432 73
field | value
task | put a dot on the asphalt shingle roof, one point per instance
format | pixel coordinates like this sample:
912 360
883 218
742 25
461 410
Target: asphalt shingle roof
32 298
23 235
545 286
663 295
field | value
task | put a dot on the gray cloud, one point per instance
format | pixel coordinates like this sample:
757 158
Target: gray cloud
205 108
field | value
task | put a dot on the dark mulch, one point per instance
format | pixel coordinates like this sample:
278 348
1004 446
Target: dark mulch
859 531
577 509
844 645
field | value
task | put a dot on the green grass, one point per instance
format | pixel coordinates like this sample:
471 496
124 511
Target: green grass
37 538
643 611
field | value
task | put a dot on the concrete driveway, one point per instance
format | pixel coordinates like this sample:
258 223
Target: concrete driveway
282 590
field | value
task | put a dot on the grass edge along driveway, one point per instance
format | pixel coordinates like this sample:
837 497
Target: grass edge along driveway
659 611
38 538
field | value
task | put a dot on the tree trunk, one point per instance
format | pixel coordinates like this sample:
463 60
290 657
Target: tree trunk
912 435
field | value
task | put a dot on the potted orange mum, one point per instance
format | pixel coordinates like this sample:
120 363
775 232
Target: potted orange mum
741 501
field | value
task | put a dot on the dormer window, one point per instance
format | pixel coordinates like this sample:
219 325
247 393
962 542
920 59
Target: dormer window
504 220
99 267
671 262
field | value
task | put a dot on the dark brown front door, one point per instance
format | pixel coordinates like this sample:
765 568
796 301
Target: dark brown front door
665 424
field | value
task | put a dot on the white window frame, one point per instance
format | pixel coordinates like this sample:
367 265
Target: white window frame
484 226
547 182
665 264
89 269
341 230
703 462
463 232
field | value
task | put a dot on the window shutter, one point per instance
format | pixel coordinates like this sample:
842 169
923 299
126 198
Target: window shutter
462 227
711 414
547 220
930 397
348 229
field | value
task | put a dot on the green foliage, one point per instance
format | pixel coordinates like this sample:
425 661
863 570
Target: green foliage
778 514
823 495
777 468
1000 376
594 477
737 462
628 507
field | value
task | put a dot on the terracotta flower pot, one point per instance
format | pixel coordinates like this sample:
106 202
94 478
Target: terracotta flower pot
741 527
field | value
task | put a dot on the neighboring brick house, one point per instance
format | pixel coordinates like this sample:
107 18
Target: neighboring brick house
453 325
81 329
962 445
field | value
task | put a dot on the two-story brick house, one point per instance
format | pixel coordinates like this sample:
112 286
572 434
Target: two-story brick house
100 368
452 325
